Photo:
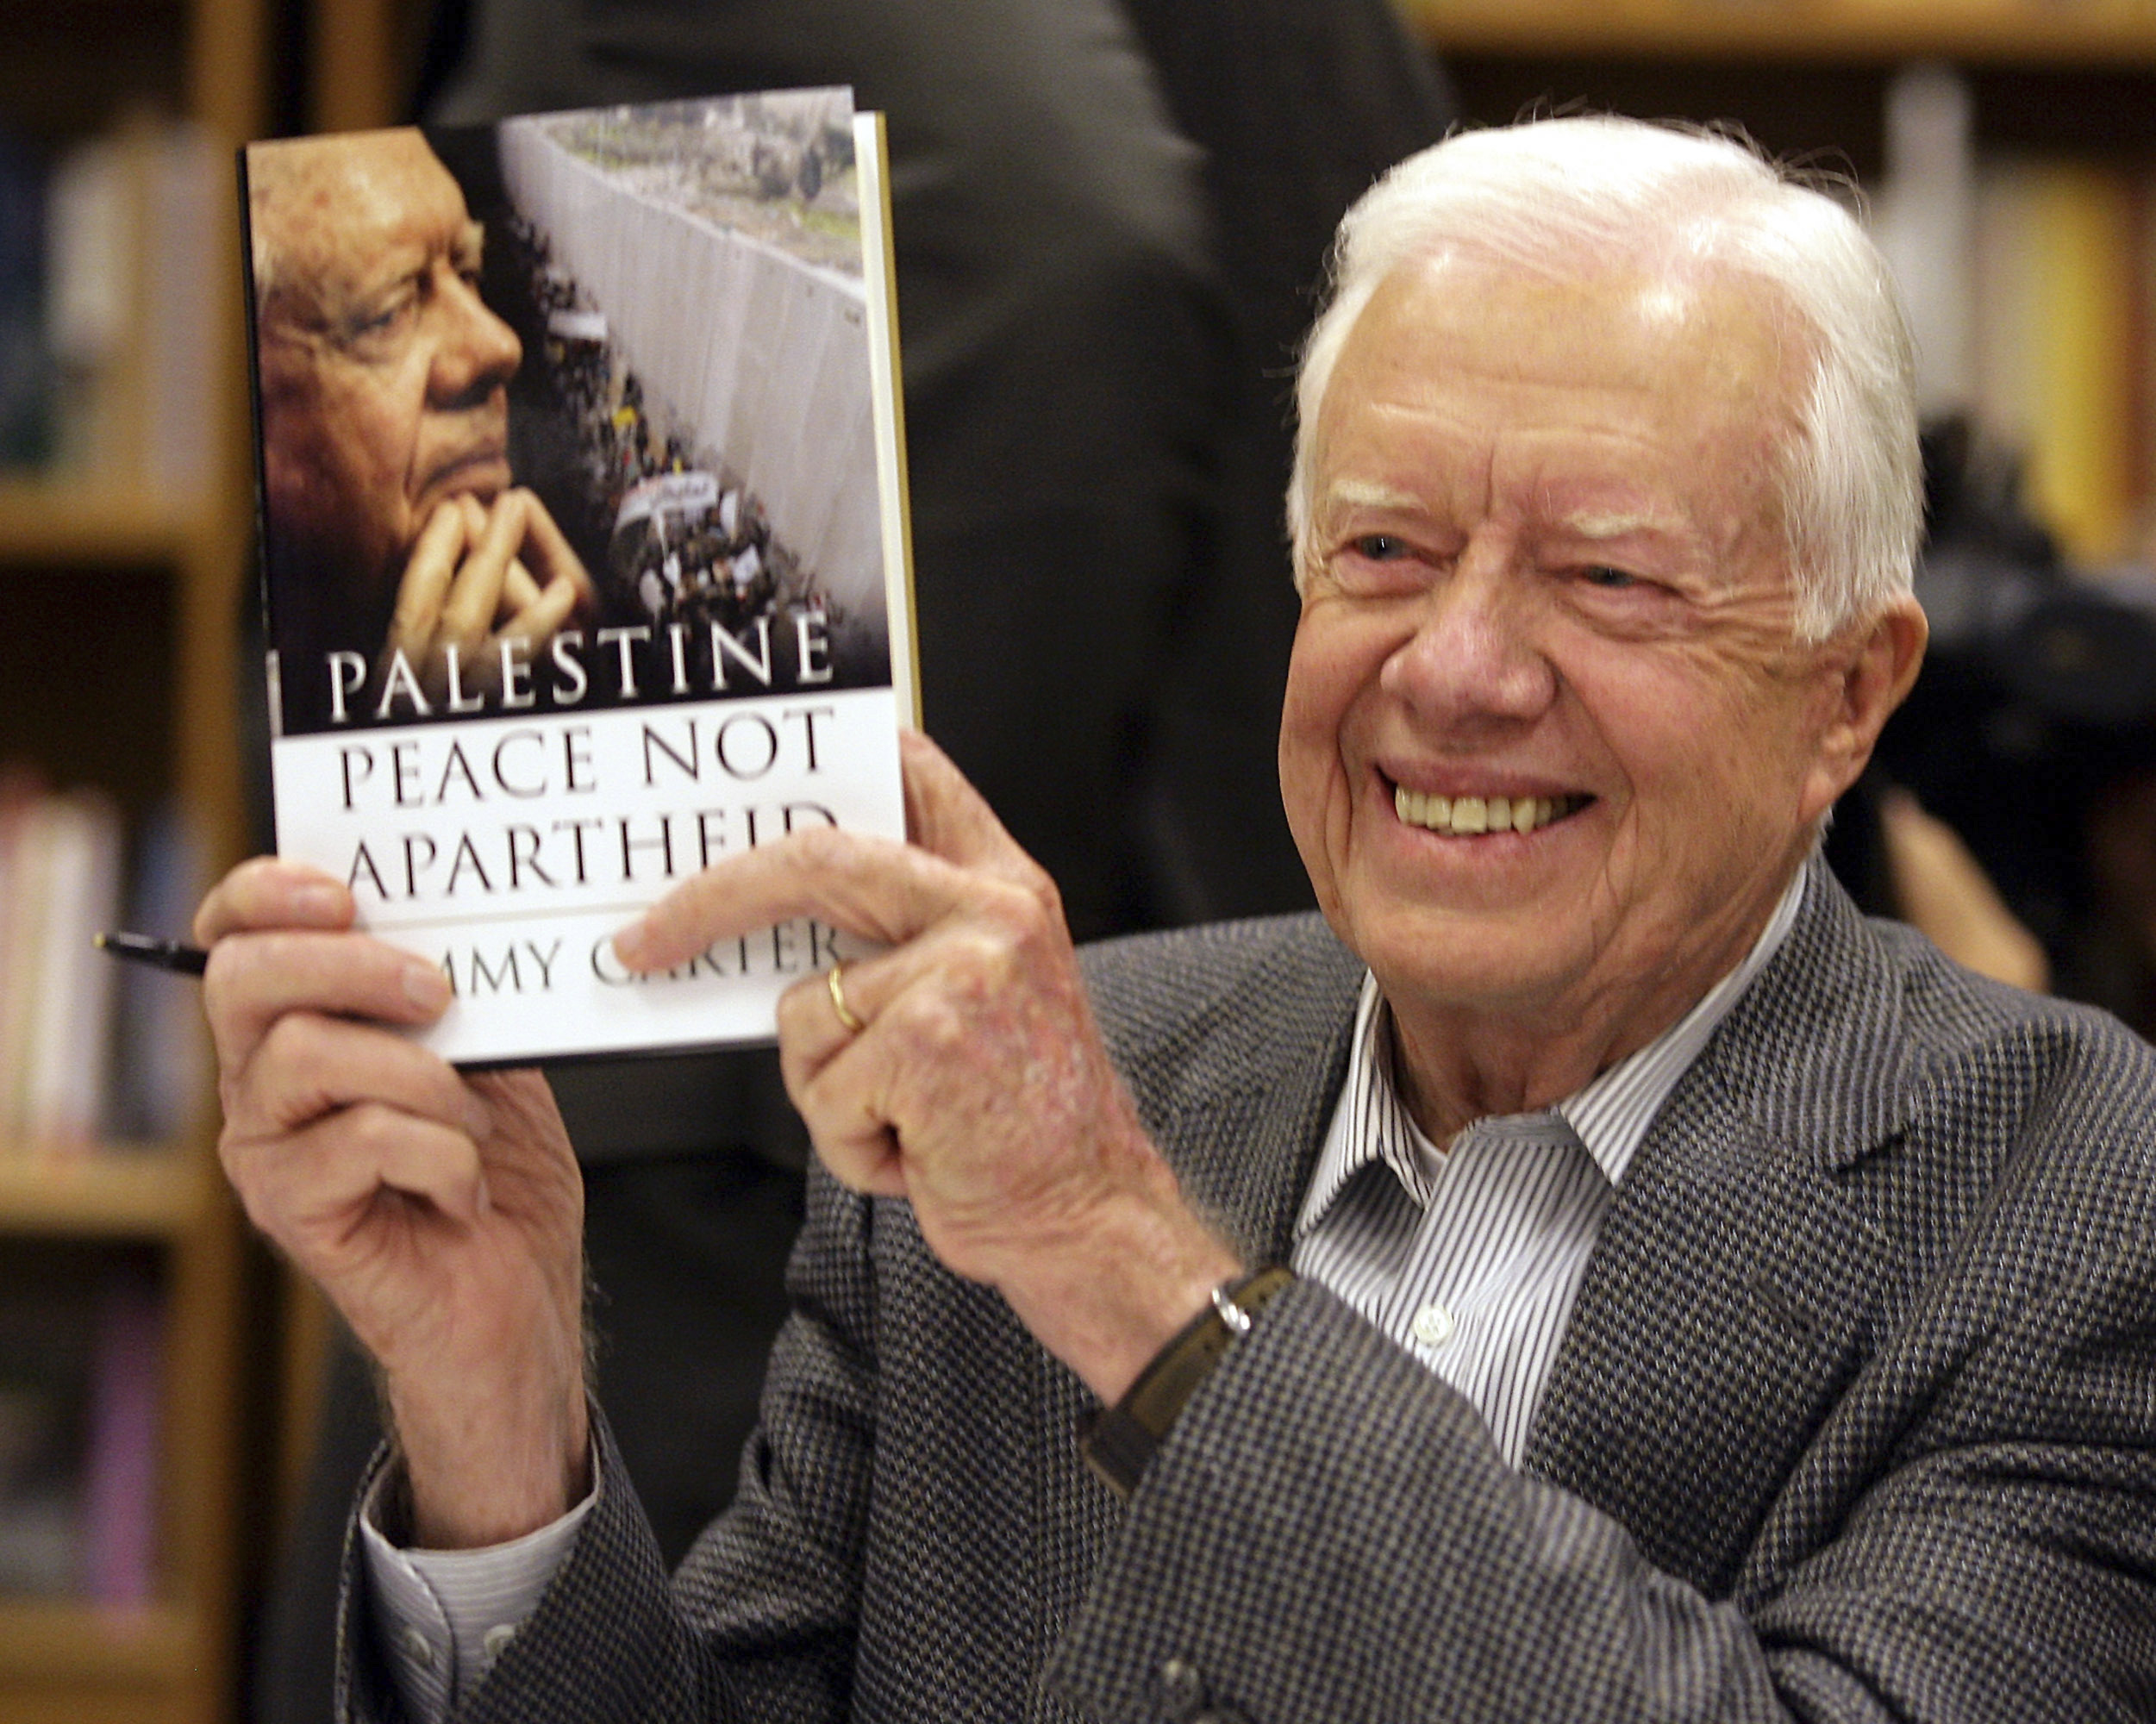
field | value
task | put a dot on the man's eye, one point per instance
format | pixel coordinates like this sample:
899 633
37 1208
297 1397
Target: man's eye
374 323
1602 574
1378 548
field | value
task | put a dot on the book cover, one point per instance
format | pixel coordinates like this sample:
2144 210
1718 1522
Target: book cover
584 539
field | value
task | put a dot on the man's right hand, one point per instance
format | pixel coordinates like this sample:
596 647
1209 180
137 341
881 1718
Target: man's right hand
440 1214
481 573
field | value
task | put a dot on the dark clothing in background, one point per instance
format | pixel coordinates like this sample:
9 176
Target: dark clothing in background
1296 105
1110 225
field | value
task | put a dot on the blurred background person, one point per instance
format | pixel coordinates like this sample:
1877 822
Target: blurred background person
2010 811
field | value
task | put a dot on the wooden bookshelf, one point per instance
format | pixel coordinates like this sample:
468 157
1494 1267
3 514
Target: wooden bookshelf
82 1667
67 525
68 73
117 1191
69 1645
2067 33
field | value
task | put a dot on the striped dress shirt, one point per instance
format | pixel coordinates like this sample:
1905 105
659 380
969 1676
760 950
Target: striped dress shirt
1469 1256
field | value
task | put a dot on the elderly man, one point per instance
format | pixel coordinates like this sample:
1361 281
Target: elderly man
1597 1275
391 524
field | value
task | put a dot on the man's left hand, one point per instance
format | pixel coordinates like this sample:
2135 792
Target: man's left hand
978 1087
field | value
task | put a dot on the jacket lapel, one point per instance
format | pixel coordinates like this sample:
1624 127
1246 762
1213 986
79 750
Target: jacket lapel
1735 1288
1249 1134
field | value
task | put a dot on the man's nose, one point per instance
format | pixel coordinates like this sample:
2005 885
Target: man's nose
478 351
1476 655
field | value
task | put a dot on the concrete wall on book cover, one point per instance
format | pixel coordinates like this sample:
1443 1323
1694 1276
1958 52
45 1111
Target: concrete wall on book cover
679 304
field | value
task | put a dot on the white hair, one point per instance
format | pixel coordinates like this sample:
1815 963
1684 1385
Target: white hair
1570 198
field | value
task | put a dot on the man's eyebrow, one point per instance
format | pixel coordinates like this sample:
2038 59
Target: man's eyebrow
1352 493
1614 524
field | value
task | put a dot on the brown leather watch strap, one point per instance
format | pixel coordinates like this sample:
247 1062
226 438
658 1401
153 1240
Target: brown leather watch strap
1118 1441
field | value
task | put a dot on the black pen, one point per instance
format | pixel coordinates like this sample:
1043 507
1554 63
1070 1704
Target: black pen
175 955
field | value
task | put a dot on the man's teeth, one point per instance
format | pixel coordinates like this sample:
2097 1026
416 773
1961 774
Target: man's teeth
1465 816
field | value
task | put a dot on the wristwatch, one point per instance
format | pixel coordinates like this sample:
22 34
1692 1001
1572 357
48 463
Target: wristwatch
1117 1441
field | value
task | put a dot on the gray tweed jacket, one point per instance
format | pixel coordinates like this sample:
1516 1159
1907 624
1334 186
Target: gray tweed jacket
1855 1417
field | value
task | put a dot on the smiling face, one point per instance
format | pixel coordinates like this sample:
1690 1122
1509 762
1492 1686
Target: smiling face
1546 581
383 374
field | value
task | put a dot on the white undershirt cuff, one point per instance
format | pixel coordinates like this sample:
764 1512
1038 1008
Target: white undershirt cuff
443 1617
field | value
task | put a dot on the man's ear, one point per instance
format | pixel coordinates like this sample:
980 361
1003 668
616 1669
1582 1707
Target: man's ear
1872 675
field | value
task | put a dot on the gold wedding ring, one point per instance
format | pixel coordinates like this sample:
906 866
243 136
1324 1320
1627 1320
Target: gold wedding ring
853 1024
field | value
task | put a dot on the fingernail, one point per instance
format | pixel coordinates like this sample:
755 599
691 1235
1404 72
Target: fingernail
319 901
482 1199
426 987
479 1120
632 943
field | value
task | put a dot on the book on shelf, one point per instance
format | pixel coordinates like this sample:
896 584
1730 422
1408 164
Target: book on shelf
26 385
109 291
160 1080
584 530
89 1051
59 879
81 1393
122 1439
43 1394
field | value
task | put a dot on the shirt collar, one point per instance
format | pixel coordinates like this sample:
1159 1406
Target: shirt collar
1609 1115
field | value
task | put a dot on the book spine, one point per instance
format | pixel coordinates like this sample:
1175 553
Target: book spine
119 1496
880 272
67 1058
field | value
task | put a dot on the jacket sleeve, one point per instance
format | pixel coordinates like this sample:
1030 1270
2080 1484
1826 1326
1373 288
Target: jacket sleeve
759 1622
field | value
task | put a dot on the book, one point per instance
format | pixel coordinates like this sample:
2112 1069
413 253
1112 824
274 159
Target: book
585 541
122 1426
90 1050
27 406
59 867
66 1069
131 307
82 1391
162 1086
45 1341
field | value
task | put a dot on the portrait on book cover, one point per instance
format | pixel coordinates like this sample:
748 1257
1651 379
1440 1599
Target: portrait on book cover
572 412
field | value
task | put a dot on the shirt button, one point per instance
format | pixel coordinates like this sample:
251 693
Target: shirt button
1433 1325
496 1638
422 1651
